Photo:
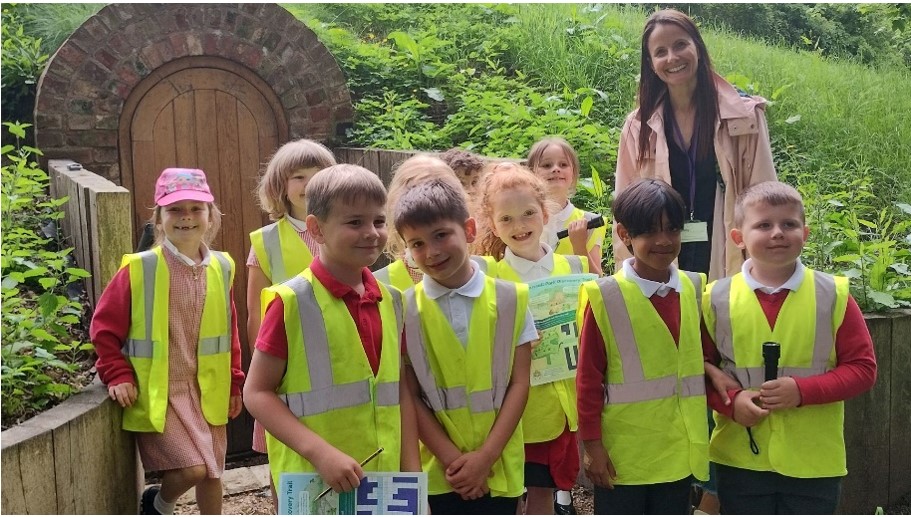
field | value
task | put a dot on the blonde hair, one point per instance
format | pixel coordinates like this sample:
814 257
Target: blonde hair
214 224
344 183
418 169
773 193
272 190
537 152
498 177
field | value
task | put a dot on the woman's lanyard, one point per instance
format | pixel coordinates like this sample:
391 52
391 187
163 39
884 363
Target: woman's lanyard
693 230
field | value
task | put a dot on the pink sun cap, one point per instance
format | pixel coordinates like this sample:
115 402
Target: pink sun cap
176 184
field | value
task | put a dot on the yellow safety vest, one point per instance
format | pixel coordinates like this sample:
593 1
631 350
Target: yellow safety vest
329 384
653 423
465 386
803 442
565 247
146 347
396 273
280 251
552 406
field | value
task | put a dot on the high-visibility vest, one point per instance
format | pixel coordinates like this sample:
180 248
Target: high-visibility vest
465 386
803 442
552 406
280 251
146 347
565 247
329 384
653 423
396 273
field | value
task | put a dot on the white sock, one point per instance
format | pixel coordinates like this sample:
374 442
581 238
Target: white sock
564 497
163 507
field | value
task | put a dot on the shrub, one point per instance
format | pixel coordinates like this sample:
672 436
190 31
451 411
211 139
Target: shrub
22 64
44 358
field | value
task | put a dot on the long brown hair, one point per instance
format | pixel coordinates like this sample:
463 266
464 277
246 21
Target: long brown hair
652 89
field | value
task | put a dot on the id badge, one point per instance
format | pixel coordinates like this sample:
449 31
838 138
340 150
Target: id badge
695 231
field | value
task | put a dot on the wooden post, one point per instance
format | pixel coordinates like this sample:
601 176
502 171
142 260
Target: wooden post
900 421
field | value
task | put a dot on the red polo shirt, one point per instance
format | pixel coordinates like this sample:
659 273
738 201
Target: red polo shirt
364 311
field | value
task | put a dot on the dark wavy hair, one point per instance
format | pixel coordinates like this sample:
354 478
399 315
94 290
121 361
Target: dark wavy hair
652 89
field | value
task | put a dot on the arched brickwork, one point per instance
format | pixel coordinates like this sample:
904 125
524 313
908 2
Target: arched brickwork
82 92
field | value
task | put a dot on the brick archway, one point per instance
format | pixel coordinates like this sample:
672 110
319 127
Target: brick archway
82 92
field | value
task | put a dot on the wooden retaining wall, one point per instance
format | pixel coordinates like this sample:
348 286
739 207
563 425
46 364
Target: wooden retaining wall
97 220
72 459
878 423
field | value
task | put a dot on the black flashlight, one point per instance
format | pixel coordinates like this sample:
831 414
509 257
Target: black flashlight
771 352
597 222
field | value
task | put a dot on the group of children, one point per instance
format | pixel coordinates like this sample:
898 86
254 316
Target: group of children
429 358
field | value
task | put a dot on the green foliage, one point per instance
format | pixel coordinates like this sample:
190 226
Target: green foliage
849 236
41 355
53 23
22 63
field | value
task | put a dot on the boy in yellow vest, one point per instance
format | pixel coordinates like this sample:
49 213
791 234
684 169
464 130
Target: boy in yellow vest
780 445
324 379
467 343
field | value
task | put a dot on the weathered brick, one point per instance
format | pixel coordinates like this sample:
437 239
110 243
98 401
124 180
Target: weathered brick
49 102
178 45
76 122
50 138
292 98
194 45
151 57
315 96
270 41
245 26
180 19
92 138
210 44
118 45
105 155
107 121
319 113
72 55
164 50
77 154
127 74
105 58
80 107
250 55
230 21
214 17
94 72
343 113
48 121
96 28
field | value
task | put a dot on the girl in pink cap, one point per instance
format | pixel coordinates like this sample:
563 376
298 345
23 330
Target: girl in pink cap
165 331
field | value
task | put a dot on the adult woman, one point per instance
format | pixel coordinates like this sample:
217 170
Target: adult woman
697 132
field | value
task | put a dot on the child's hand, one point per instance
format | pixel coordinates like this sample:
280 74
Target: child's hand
721 382
235 405
578 236
781 393
598 466
124 393
338 470
468 473
746 410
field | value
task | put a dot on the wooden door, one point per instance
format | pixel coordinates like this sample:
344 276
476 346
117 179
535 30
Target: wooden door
218 120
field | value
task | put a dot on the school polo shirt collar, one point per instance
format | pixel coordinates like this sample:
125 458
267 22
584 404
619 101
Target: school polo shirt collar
523 266
650 288
792 284
340 290
300 226
472 288
203 250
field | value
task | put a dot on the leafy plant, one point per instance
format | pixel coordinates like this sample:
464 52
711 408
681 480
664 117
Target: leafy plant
22 64
41 352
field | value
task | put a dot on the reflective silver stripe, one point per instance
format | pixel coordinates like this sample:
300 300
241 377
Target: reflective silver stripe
397 307
143 347
575 264
387 394
620 323
440 399
273 245
654 389
318 401
418 354
214 345
697 285
482 264
503 342
316 340
382 275
755 376
825 315
721 303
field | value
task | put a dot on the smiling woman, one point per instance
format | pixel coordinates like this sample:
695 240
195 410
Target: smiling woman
693 130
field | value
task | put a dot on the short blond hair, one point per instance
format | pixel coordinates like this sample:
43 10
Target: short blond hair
345 183
272 190
773 193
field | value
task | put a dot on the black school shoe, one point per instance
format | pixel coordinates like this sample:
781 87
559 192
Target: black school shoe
563 509
147 503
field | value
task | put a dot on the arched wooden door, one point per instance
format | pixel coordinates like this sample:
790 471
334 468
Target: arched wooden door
211 114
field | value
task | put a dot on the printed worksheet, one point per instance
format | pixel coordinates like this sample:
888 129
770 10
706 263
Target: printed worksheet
380 493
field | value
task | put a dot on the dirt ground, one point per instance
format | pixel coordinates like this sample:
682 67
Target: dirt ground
259 503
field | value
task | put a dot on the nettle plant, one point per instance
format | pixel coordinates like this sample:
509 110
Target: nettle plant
42 357
849 236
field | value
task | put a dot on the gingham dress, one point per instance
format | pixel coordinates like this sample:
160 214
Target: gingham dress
259 434
187 440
